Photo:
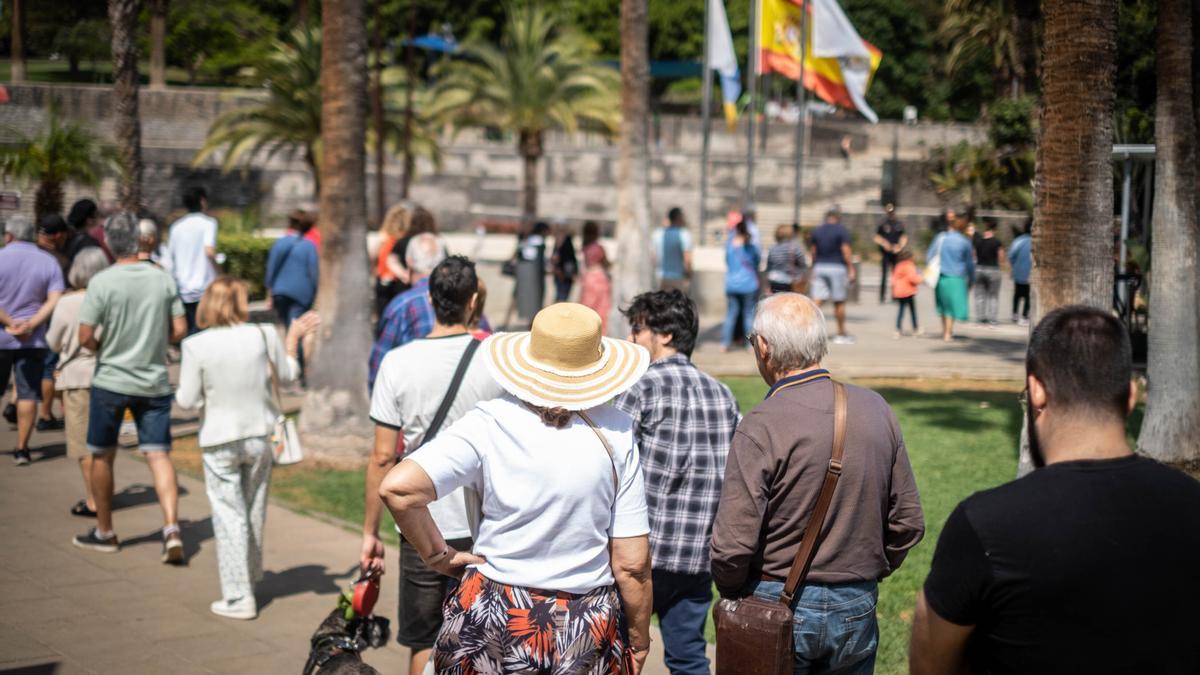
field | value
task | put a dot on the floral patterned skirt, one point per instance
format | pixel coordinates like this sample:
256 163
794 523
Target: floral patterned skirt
491 628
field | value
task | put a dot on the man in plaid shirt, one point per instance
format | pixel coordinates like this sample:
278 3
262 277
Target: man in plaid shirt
683 422
409 316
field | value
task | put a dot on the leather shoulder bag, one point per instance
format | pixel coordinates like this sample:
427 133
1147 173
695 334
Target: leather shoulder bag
754 636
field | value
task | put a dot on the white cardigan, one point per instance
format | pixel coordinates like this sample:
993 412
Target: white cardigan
225 371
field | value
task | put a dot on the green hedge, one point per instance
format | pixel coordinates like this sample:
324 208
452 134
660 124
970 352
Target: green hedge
246 257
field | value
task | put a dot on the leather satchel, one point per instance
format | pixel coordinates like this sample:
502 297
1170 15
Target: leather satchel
754 636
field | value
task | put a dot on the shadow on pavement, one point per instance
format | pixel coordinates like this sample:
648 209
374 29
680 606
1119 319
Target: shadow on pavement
300 579
40 669
139 494
193 532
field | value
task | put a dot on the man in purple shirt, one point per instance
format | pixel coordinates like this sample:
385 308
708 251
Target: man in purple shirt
30 284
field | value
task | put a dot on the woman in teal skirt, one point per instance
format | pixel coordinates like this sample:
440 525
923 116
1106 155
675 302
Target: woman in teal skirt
957 274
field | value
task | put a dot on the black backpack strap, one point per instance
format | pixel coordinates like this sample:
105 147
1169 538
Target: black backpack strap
444 409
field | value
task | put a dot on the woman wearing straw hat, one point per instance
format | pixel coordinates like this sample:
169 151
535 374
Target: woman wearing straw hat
559 581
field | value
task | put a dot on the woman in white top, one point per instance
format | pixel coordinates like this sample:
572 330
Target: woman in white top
559 581
75 367
226 370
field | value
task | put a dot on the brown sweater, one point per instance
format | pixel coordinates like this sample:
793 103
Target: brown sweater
774 473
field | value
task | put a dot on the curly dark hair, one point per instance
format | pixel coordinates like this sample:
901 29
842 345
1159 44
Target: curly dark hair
451 286
558 418
667 313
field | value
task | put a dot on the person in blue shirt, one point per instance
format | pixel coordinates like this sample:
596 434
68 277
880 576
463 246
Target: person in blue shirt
1020 256
293 269
742 257
673 253
833 270
955 253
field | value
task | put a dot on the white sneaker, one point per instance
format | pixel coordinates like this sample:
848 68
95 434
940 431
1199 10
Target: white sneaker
843 340
243 609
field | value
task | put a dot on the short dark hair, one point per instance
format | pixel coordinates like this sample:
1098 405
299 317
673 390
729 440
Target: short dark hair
675 214
1082 356
81 211
667 313
451 286
194 197
52 223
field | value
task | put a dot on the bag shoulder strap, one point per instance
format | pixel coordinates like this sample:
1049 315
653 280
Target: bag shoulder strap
808 545
439 417
607 448
274 373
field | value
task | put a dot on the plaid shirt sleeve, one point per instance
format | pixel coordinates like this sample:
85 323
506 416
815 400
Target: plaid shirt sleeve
408 318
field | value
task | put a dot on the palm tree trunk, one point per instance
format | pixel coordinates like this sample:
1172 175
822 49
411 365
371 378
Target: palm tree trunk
48 199
334 418
377 113
310 159
410 83
529 145
1172 422
633 271
1073 190
158 36
127 127
18 42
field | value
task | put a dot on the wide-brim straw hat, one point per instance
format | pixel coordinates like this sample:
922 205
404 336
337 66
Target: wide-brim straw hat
564 361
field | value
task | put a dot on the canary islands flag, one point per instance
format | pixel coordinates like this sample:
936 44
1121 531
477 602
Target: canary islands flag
722 59
838 64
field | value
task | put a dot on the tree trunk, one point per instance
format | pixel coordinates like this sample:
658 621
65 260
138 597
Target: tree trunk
310 160
633 270
334 417
410 83
18 42
1027 43
1172 423
158 36
529 145
377 114
127 127
47 199
1073 189
301 7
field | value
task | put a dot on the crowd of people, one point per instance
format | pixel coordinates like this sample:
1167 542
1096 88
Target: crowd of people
555 488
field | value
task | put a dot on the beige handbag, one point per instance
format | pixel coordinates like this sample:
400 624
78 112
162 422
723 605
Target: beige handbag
285 439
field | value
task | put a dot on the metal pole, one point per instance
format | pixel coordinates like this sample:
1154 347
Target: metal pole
752 85
1126 188
798 183
705 116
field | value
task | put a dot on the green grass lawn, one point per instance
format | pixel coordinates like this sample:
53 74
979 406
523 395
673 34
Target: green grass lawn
961 439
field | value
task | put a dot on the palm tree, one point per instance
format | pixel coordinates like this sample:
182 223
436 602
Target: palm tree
334 418
127 125
975 28
1172 422
289 118
1073 188
62 153
543 74
634 273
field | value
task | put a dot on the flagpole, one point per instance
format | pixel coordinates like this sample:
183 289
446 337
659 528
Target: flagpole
705 116
752 82
798 185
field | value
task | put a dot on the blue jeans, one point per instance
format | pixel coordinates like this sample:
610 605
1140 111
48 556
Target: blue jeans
106 412
681 602
738 304
835 627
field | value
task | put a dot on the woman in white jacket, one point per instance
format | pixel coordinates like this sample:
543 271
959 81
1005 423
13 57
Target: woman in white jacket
225 371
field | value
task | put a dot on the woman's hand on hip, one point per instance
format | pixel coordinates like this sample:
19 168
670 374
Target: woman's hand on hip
639 659
455 564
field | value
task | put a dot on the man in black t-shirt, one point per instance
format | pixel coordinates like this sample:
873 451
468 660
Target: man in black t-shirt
890 237
989 254
1090 564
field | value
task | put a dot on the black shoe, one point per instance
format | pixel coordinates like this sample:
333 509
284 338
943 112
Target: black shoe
10 411
21 457
93 541
51 424
81 509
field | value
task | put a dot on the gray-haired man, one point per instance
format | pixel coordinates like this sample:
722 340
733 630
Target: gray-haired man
139 309
773 475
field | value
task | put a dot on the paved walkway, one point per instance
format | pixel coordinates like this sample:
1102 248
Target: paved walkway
64 610
981 353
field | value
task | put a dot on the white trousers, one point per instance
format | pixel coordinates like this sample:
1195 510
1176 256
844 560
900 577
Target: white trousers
235 477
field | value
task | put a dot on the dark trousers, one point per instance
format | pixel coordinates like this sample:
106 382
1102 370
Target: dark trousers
562 289
288 310
189 312
681 602
1021 293
911 304
886 263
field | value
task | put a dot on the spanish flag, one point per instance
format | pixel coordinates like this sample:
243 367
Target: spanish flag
838 64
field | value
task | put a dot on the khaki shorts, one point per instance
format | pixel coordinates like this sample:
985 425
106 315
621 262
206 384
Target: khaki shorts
75 420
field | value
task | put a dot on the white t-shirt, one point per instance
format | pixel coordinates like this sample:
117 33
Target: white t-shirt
409 389
549 505
186 259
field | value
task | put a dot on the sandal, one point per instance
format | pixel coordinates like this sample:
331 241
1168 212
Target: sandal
81 509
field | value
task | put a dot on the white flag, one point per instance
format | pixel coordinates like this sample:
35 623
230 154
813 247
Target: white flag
834 37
